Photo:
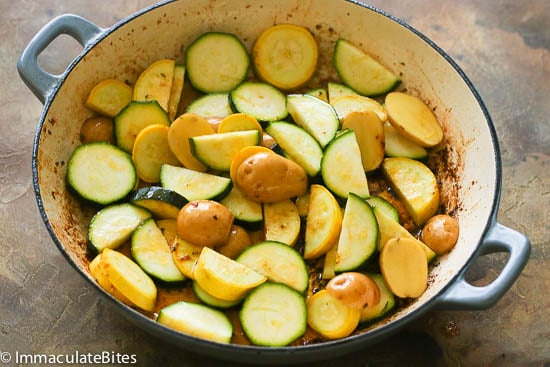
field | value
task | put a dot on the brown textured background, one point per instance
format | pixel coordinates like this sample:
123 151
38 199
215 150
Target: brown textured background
504 48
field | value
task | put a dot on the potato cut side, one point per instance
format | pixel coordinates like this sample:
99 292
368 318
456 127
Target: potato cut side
155 83
346 104
109 97
330 317
415 184
151 151
129 279
324 221
369 133
389 228
183 128
281 222
285 55
223 277
413 118
404 267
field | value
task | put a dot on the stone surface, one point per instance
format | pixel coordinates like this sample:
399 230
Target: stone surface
504 48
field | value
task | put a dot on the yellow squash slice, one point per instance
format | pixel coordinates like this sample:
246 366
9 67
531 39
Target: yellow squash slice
129 279
175 93
369 133
281 222
330 317
104 282
285 55
223 277
109 97
155 83
151 151
183 128
324 221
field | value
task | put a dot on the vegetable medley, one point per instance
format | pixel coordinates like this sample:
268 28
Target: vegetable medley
267 204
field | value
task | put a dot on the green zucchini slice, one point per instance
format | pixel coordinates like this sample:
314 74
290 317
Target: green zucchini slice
101 173
386 304
134 118
260 100
216 62
316 116
211 105
342 168
361 72
194 185
161 202
278 262
358 239
197 320
113 225
274 315
152 253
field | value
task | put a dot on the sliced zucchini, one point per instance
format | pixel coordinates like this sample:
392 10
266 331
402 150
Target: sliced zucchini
197 320
151 150
361 72
109 97
282 222
113 225
161 202
261 100
217 150
341 167
133 118
247 213
216 62
211 105
379 203
101 173
278 262
274 315
194 185
152 253
385 305
129 279
155 83
175 92
285 56
298 145
337 90
358 239
330 317
316 116
398 145
210 300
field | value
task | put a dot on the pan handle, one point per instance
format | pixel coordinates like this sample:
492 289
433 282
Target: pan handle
464 296
39 81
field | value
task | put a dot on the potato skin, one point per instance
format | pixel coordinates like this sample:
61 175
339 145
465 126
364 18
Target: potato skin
356 290
440 233
267 178
97 128
238 241
204 223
